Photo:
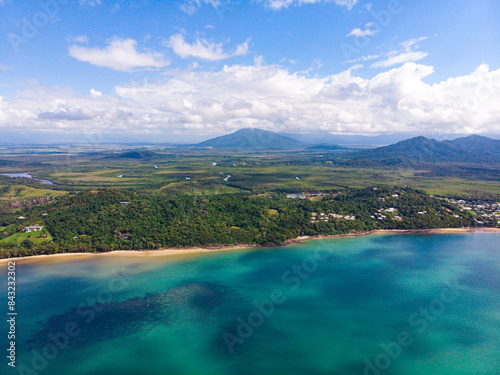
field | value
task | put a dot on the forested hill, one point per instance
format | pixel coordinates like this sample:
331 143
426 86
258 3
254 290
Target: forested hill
107 220
139 155
253 139
472 149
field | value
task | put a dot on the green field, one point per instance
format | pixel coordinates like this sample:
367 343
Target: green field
17 192
173 172
34 237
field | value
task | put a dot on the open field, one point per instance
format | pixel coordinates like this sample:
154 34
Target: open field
34 237
182 171
20 192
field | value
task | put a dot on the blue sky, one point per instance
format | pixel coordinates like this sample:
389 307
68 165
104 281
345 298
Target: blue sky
206 67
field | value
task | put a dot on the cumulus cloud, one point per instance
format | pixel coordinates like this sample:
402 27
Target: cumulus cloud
204 50
95 94
407 53
120 54
269 97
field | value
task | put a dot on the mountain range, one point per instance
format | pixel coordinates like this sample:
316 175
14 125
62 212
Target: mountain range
470 149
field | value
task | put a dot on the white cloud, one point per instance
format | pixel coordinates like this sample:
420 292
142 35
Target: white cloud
95 94
5 67
368 31
363 58
191 6
406 54
280 4
120 54
269 97
204 50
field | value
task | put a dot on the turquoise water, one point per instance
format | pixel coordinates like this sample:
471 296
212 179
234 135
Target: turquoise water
385 304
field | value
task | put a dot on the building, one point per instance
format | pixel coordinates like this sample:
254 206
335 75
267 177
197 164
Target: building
296 196
34 228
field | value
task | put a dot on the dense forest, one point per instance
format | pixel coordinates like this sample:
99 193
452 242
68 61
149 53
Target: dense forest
107 219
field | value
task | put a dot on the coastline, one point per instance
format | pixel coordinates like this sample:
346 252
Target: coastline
193 251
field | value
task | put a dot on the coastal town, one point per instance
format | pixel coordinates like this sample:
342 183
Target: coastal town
484 213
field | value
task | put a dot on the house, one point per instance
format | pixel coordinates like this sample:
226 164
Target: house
313 194
21 218
125 203
34 228
295 196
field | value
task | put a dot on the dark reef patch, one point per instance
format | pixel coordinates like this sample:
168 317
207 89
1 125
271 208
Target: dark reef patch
104 321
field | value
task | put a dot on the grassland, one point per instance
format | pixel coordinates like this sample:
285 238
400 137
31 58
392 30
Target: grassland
20 192
193 172
34 237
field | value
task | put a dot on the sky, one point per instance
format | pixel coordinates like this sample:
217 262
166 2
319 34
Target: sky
184 70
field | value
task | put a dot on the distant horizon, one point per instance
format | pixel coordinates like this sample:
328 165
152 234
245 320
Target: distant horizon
94 140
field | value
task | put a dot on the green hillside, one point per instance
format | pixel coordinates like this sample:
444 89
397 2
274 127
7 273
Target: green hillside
252 140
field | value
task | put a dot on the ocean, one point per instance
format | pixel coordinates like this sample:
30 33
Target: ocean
381 304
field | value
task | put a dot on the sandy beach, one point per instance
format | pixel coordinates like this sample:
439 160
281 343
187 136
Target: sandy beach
180 253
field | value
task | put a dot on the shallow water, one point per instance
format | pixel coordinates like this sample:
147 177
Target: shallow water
27 175
339 307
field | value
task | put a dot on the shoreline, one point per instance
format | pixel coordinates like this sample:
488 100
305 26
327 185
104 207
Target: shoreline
183 252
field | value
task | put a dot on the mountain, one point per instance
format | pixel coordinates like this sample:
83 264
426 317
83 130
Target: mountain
472 149
252 139
355 140
481 147
323 137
